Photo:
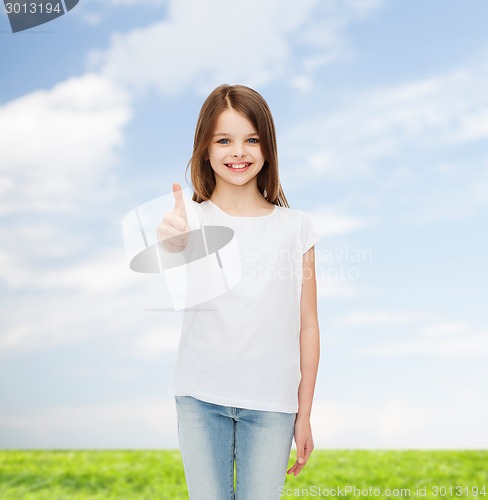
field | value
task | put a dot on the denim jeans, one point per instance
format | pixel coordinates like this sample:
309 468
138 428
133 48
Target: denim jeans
212 437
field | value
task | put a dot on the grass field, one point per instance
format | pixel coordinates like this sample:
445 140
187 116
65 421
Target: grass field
53 475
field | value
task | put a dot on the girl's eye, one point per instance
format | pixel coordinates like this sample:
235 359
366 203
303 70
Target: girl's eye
252 140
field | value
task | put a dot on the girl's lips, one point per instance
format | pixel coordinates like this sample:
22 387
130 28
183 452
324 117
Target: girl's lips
237 167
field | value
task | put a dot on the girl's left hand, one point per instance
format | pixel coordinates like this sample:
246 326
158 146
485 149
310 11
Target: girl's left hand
304 442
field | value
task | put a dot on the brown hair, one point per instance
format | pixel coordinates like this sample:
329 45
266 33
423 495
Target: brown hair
252 105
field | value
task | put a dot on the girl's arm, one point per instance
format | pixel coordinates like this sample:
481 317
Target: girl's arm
309 336
309 361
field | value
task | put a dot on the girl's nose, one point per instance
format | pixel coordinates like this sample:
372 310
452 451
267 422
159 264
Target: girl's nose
239 150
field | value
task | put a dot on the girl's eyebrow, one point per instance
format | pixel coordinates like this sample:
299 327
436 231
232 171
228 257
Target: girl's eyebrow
228 135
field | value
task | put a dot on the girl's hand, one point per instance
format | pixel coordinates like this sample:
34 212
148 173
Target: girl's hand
304 442
173 231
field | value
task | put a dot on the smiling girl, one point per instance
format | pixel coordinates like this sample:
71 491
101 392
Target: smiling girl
247 361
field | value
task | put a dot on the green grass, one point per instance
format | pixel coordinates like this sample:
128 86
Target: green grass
53 475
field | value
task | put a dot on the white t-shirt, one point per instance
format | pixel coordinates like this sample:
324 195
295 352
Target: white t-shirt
242 348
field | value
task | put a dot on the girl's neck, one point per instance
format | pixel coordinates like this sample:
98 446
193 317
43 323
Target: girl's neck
240 201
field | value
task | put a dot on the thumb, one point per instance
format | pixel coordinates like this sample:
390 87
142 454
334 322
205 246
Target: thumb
179 207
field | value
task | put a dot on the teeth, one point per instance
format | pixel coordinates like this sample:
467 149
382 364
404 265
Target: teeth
238 166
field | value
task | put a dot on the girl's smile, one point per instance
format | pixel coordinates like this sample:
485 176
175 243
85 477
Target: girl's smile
238 166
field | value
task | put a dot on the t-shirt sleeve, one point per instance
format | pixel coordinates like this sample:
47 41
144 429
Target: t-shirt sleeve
310 237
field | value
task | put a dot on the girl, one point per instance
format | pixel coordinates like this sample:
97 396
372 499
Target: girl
247 361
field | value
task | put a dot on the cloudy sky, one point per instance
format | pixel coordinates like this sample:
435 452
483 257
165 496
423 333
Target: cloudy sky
381 109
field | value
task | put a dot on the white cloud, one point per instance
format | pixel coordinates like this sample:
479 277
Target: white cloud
364 7
398 423
445 328
330 286
380 122
195 45
75 312
472 344
57 143
105 272
58 149
338 267
329 221
445 338
93 12
399 139
303 84
141 423
144 423
379 317
156 343
325 31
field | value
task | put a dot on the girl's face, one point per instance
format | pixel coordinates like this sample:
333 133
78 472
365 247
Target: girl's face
235 152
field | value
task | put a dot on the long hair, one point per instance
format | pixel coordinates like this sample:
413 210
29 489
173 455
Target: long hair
253 106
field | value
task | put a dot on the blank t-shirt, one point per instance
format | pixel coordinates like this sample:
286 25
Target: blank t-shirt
242 348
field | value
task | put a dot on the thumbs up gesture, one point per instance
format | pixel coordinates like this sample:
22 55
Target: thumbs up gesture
173 231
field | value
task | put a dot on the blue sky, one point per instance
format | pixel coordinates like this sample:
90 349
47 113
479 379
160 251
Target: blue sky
381 110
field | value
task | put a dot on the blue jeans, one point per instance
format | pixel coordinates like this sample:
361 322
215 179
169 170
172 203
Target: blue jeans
212 437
